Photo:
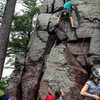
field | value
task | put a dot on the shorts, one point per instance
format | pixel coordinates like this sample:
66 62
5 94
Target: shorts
66 13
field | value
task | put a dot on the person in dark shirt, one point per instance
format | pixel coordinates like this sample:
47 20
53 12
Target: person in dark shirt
59 94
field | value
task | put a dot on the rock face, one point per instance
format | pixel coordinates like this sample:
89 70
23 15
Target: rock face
59 57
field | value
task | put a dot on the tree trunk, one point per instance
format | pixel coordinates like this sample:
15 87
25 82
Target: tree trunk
5 31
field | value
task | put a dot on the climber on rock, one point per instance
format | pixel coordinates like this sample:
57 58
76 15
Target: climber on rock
67 12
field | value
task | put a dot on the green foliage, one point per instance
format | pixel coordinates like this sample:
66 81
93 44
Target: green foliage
23 25
31 5
18 43
2 6
3 85
24 22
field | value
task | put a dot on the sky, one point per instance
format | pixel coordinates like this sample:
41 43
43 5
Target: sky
7 72
8 67
19 7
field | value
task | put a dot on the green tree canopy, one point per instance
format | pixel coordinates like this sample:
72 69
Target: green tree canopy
3 85
23 25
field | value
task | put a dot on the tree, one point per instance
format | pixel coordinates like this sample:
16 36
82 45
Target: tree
23 25
5 31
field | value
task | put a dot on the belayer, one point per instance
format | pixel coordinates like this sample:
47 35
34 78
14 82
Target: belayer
59 94
91 89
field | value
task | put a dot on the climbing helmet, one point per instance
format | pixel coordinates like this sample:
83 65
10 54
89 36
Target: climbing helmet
96 73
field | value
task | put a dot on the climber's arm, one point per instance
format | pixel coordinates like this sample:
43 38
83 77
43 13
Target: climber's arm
73 7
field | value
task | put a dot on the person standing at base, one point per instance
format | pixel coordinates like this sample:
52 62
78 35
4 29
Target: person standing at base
91 89
49 97
59 95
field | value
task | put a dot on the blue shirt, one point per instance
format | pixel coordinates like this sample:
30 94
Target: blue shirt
92 87
68 5
5 97
59 99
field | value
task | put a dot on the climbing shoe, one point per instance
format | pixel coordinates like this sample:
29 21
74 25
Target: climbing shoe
57 25
74 28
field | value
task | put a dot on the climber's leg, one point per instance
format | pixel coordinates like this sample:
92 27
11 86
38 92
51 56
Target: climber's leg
58 19
72 21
